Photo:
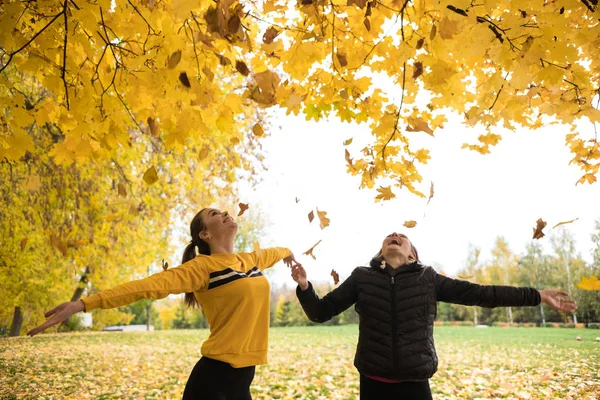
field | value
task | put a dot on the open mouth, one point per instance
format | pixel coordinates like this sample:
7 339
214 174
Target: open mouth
395 241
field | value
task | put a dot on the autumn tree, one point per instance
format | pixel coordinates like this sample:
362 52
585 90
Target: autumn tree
187 71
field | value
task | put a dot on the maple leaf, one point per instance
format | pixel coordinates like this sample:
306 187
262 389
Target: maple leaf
243 208
336 277
342 59
309 252
347 156
242 68
420 43
323 218
418 69
57 242
591 283
564 223
448 28
311 216
385 193
410 224
537 231
153 125
418 124
150 176
121 190
174 59
270 35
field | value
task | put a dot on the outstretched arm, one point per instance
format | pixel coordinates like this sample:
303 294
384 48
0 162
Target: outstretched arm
266 258
462 292
334 303
189 277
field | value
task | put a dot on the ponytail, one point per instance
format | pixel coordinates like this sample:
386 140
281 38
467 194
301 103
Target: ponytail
189 253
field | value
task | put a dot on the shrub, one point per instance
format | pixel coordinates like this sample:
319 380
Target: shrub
593 325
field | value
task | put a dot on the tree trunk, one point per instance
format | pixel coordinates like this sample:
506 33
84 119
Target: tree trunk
148 308
510 322
474 316
567 266
79 290
15 327
543 316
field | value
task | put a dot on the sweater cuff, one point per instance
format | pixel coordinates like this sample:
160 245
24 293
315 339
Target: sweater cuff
302 294
91 302
537 297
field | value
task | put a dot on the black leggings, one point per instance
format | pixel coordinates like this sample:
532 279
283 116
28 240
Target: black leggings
216 380
371 389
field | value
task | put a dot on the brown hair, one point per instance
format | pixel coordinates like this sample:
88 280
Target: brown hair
196 226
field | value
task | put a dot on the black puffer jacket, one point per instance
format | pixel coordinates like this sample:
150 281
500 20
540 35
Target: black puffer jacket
397 308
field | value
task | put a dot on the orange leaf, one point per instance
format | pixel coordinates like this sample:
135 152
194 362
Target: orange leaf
243 208
323 218
591 283
309 252
270 35
410 224
537 231
336 277
430 193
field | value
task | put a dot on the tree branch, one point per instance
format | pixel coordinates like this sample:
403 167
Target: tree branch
397 114
64 67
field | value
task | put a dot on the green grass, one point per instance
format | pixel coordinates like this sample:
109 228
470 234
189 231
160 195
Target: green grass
304 363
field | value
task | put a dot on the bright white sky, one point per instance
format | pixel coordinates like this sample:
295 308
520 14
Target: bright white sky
477 198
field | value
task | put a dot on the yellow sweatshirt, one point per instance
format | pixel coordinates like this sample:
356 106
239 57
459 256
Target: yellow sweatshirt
230 288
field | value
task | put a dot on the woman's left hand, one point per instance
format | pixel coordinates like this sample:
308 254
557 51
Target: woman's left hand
290 260
558 300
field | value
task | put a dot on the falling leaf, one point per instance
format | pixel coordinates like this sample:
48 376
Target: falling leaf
591 283
165 265
311 216
385 193
342 59
564 223
430 193
309 252
258 130
183 78
243 208
57 242
203 153
336 277
32 183
270 35
242 68
121 190
465 277
410 224
418 69
23 243
323 217
537 231
418 125
150 176
297 200
153 125
347 142
347 155
174 59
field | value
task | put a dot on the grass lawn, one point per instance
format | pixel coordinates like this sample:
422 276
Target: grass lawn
304 363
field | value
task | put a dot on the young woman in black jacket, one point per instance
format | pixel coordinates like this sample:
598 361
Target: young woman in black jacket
396 299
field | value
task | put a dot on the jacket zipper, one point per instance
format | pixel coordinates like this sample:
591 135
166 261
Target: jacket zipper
394 328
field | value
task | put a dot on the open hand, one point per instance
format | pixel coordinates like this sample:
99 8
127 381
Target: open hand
58 315
299 275
558 300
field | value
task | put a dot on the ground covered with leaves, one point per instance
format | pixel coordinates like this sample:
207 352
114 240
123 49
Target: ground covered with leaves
305 363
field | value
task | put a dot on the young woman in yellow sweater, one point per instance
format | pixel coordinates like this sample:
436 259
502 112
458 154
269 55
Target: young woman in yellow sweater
233 293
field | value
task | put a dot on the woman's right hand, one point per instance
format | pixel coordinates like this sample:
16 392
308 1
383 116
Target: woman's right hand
58 315
299 275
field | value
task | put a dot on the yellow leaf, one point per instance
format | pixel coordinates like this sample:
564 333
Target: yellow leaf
203 153
150 176
448 28
323 218
385 193
309 252
347 142
16 145
430 193
564 223
591 283
410 224
418 124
